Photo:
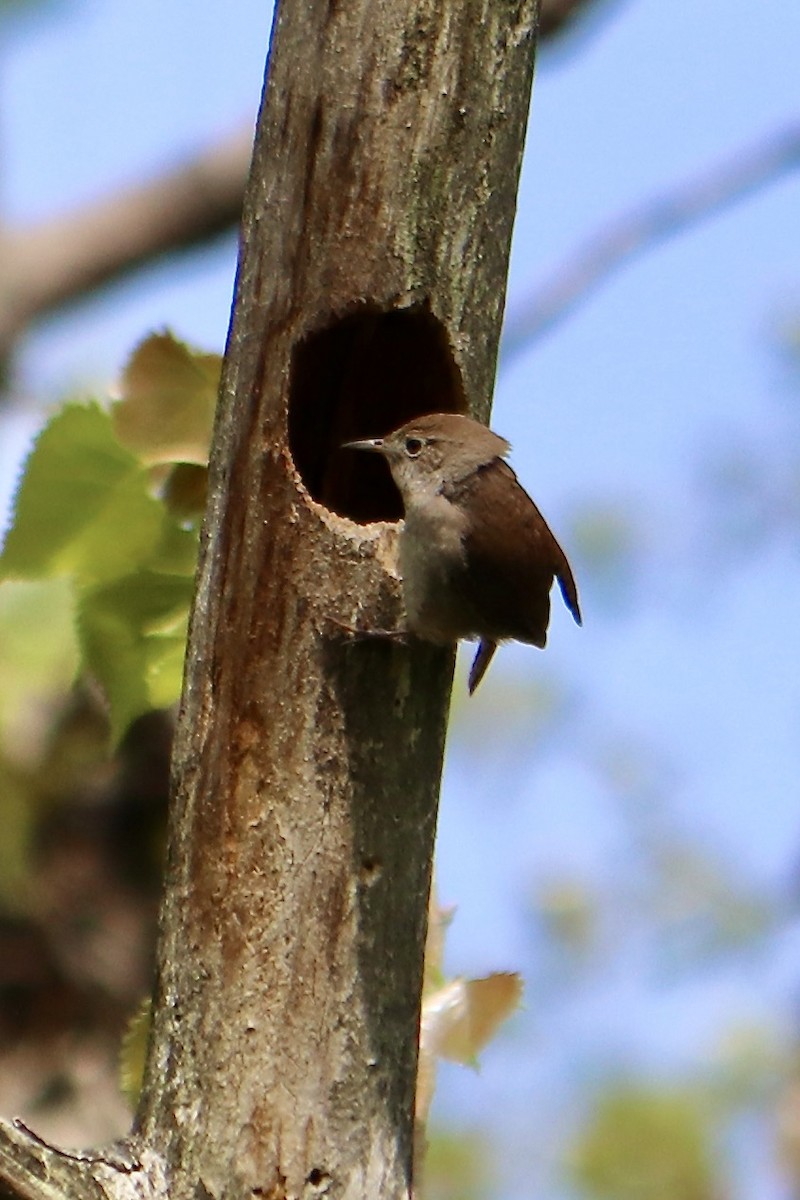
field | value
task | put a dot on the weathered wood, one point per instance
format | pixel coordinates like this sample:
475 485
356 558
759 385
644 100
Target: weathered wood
372 273
30 1169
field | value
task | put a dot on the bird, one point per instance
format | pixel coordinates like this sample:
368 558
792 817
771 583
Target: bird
477 559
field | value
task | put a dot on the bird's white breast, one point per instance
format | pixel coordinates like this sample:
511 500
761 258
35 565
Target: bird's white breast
431 554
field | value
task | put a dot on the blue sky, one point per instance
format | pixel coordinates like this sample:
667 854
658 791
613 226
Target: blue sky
628 402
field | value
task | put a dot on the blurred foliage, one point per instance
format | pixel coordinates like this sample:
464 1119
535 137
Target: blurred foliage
133 1052
165 412
458 1166
39 660
702 908
15 844
568 910
99 510
647 1143
749 1068
96 576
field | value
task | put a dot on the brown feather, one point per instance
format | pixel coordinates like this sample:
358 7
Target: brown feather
507 567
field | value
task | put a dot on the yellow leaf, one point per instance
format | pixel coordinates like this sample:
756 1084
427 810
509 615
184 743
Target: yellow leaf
168 394
460 1018
133 1053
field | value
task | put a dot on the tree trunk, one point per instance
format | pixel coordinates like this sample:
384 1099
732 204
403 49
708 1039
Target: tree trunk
371 281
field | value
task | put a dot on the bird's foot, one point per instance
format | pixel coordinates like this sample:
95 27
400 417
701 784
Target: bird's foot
400 636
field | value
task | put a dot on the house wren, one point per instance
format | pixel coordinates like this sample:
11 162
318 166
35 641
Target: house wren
477 558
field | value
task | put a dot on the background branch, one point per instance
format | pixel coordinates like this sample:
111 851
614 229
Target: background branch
644 227
60 260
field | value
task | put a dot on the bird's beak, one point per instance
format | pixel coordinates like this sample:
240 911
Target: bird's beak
375 444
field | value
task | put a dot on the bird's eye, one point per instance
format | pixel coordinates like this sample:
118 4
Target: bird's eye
414 447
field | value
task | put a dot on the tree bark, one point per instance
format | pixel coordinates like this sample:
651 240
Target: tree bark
371 281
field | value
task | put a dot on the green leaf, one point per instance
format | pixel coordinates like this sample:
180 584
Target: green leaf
165 659
38 662
169 394
86 513
39 657
176 550
83 506
132 637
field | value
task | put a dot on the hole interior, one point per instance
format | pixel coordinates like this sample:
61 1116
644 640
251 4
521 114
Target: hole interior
363 376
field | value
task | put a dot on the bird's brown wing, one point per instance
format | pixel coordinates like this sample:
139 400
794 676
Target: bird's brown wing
512 556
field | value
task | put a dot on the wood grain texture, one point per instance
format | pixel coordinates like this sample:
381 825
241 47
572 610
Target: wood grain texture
307 764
